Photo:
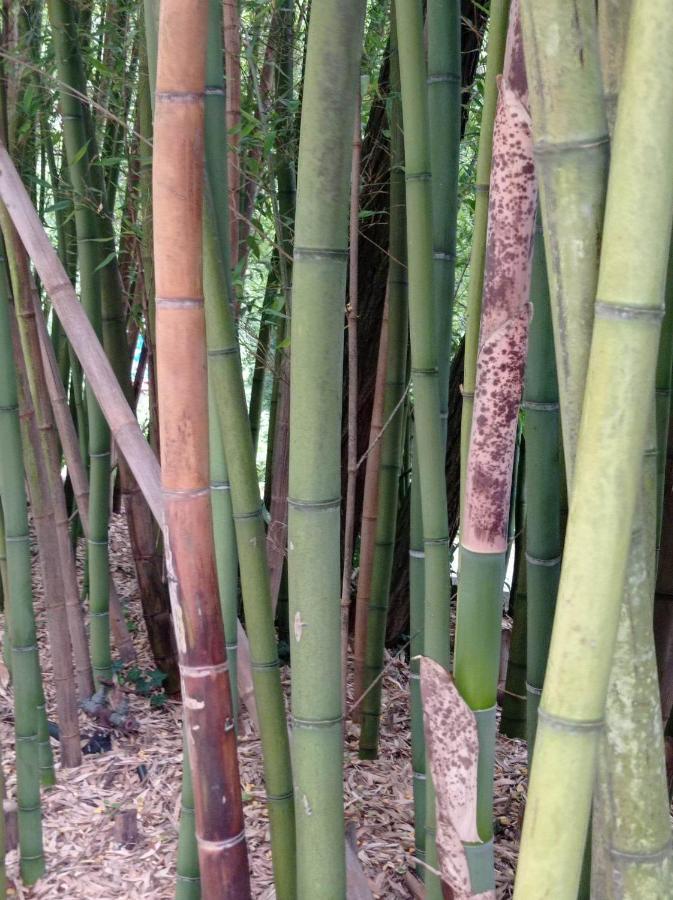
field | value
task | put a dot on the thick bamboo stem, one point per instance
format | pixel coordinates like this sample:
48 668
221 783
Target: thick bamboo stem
635 247
181 357
334 47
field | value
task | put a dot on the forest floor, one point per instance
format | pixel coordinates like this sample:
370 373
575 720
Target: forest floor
142 771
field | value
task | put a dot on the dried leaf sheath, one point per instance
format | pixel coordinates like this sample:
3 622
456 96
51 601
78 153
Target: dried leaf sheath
505 315
499 385
181 357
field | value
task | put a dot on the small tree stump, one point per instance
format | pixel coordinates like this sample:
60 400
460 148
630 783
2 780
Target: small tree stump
11 825
126 827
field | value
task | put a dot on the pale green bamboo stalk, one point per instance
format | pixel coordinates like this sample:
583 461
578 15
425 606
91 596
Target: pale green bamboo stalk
334 46
635 246
632 849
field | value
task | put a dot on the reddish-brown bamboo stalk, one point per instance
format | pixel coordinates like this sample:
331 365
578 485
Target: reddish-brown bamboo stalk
183 416
370 504
232 63
352 415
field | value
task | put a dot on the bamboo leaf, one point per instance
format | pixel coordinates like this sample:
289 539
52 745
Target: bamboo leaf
453 750
79 155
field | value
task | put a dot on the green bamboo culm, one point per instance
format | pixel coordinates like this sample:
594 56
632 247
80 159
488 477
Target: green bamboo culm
220 492
444 108
25 663
226 557
334 46
188 879
628 311
76 138
424 342
392 438
543 497
226 382
417 627
497 35
513 718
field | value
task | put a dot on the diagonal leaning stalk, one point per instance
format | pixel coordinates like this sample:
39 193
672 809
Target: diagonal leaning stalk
608 466
334 47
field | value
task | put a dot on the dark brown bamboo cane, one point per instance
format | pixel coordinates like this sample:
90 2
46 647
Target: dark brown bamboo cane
183 416
370 503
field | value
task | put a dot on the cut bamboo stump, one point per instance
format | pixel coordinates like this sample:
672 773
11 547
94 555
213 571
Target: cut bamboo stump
126 827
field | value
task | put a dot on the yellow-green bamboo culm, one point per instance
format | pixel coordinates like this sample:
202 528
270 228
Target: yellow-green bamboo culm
628 313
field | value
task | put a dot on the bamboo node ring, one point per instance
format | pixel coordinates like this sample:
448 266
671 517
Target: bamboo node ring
204 671
624 311
221 845
318 253
561 722
314 504
537 561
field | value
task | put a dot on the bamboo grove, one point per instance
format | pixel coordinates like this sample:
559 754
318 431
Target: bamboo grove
353 322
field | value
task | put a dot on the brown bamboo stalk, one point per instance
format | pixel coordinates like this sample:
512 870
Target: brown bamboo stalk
45 530
183 416
352 413
232 63
370 502
48 455
78 475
